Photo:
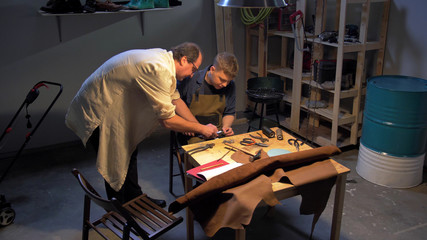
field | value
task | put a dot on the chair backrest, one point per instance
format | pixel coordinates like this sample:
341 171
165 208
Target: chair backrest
92 193
139 214
266 83
108 205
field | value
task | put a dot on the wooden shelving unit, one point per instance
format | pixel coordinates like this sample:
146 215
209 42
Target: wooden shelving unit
337 124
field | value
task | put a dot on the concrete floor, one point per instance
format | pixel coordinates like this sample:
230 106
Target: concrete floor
48 200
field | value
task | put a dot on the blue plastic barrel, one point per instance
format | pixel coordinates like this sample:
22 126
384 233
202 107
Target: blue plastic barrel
395 116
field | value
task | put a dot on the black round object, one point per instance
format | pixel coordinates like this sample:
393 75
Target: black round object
264 95
7 215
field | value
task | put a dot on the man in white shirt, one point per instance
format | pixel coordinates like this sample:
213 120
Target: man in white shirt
121 103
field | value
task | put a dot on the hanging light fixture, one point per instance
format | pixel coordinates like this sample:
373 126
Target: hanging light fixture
252 3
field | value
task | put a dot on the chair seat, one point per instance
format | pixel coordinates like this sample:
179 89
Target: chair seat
264 95
151 218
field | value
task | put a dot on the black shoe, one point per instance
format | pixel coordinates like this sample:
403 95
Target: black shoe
159 202
90 6
62 6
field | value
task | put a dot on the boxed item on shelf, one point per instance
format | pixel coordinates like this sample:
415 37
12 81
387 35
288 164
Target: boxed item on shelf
324 71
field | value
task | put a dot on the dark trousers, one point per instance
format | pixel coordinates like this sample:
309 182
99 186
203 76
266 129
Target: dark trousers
130 188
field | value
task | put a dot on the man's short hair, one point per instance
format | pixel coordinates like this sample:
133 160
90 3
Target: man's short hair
227 62
187 49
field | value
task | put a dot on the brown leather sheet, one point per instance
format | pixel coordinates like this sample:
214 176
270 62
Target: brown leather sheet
234 207
247 172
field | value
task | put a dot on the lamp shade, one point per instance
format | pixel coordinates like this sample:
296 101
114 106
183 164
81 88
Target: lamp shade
252 3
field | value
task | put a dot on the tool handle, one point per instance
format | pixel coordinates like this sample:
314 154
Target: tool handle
294 16
240 149
268 132
279 134
212 166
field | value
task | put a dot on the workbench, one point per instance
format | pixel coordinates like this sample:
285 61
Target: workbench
281 190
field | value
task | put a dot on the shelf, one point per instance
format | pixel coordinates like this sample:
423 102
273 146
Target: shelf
365 1
46 14
327 113
322 136
98 13
344 113
348 47
287 73
343 93
283 72
282 33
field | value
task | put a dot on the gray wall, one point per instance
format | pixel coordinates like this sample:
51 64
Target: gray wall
31 52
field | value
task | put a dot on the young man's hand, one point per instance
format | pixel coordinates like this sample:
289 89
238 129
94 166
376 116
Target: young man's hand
210 131
228 131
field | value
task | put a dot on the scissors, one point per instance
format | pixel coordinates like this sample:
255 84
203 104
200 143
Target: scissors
250 142
296 142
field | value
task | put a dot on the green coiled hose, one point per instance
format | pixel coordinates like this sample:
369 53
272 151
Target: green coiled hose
248 17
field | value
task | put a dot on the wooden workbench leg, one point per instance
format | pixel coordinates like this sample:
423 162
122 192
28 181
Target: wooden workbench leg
240 234
338 206
189 214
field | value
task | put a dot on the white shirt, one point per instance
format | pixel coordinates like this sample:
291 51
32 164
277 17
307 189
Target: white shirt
124 97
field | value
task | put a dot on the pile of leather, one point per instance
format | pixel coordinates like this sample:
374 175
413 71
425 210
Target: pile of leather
229 199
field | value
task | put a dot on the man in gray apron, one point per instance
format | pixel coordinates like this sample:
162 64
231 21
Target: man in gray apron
210 94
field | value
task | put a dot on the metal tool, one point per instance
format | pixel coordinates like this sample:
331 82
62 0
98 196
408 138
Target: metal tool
202 148
293 18
229 149
240 149
279 134
247 142
256 156
268 132
228 141
250 142
295 142
259 137
220 134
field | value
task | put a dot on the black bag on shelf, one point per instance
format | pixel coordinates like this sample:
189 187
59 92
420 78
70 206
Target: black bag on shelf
324 71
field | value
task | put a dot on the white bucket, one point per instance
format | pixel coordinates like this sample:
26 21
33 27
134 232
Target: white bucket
389 171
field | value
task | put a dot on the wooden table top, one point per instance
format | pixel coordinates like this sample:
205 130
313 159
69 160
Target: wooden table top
220 149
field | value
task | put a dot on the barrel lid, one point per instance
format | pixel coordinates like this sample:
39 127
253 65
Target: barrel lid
399 83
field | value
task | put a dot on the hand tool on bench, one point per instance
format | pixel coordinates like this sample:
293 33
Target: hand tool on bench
279 134
259 137
220 134
240 149
268 132
296 142
250 142
202 148
229 150
256 156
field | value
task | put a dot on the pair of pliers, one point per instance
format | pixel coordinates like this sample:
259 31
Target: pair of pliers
250 141
296 142
260 137
247 142
202 148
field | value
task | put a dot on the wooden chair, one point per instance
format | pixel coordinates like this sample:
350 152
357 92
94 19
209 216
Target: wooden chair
175 151
137 219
